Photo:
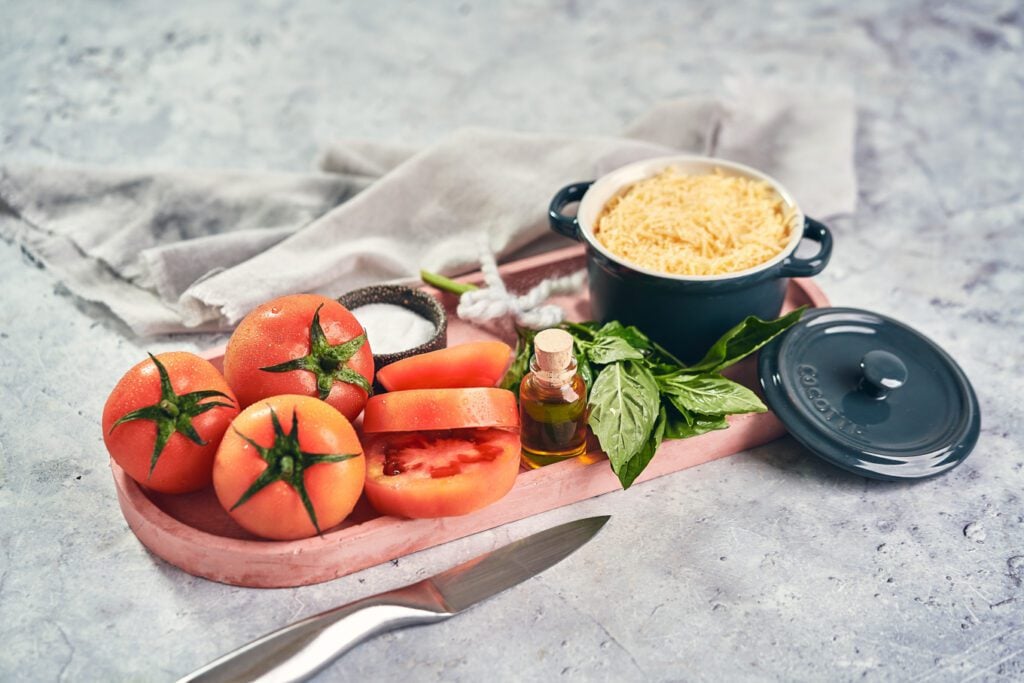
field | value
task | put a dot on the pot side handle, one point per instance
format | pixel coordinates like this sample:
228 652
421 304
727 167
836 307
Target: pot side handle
567 226
806 267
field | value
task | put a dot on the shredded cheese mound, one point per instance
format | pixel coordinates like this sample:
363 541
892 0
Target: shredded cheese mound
705 224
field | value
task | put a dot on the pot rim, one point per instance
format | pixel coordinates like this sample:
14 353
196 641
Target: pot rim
614 182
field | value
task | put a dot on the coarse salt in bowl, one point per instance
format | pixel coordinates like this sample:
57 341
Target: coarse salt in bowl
399 321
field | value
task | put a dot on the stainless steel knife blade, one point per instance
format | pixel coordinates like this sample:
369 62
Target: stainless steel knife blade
480 578
299 650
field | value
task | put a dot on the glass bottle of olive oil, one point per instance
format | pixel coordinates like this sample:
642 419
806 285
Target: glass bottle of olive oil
552 402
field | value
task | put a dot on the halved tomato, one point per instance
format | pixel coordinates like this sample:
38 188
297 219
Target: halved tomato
440 452
474 364
440 473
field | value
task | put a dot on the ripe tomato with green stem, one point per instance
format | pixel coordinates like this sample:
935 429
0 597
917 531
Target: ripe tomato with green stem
164 419
301 344
289 467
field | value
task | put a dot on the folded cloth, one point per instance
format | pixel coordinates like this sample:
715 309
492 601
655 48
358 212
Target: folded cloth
169 251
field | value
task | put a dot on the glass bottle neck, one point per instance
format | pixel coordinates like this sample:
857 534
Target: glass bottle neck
556 378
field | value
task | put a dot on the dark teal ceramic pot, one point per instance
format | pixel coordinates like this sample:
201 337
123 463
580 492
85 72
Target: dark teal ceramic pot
686 314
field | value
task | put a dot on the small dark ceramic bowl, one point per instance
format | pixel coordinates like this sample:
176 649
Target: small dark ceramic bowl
413 299
685 313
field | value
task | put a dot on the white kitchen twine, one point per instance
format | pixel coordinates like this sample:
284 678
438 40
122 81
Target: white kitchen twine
495 301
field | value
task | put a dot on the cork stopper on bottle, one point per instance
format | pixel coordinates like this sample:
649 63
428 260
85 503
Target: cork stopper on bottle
553 349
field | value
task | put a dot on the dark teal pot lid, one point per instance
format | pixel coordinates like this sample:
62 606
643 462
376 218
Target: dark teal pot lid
871 395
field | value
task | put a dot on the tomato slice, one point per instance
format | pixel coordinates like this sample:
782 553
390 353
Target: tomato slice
440 473
474 364
431 409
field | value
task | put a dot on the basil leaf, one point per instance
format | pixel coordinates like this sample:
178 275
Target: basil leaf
684 424
711 395
605 350
675 413
584 331
623 408
521 364
743 340
640 394
663 367
583 367
635 465
630 334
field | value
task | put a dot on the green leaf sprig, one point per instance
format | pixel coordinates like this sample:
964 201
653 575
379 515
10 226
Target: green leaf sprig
638 392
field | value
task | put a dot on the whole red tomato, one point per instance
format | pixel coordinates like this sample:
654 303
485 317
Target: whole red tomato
301 344
289 467
163 421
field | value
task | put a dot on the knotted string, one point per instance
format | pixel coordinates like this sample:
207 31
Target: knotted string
495 301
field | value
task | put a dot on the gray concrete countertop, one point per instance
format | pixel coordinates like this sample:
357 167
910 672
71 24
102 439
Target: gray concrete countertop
767 565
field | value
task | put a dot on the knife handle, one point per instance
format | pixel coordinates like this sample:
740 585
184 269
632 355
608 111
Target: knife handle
299 650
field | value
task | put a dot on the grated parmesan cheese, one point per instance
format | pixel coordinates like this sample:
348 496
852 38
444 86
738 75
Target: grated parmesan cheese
695 224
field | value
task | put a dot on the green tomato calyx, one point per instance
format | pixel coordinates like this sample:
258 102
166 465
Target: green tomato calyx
328 362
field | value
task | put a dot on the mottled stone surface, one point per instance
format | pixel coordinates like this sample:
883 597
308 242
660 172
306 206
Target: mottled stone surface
765 565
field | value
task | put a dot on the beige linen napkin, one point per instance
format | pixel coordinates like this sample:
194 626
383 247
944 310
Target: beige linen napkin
177 250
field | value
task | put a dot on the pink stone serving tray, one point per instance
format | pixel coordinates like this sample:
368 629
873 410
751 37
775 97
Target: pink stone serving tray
193 532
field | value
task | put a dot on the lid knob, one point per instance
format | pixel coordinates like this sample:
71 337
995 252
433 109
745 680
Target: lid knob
881 372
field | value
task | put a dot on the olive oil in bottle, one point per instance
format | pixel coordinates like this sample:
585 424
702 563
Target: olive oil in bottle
552 402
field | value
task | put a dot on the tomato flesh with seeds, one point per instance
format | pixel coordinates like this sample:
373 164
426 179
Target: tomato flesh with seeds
440 473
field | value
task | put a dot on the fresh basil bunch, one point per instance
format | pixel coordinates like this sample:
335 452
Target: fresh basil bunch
640 394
